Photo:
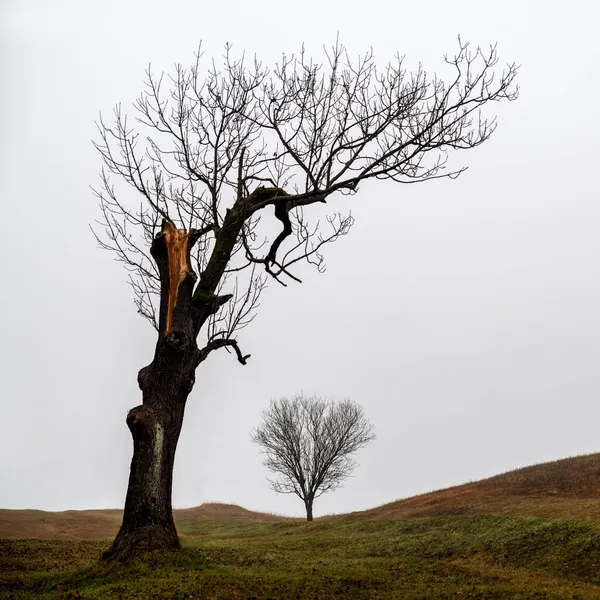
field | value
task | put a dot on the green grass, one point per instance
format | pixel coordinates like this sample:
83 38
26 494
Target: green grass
444 557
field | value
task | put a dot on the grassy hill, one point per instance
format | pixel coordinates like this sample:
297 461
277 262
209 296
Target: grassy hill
104 524
562 488
470 541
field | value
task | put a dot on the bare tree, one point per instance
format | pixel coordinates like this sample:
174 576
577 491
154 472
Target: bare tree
308 443
212 150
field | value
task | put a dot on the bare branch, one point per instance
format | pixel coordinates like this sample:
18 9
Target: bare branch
226 141
222 343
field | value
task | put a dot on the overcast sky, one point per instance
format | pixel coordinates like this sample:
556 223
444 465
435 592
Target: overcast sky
463 315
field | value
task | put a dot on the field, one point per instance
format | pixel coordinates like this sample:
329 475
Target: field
445 544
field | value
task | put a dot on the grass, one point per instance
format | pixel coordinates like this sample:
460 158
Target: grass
483 557
531 533
566 487
102 524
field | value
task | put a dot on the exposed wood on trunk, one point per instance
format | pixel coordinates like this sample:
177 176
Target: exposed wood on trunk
165 384
179 266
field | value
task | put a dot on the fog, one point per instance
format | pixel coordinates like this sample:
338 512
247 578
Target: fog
462 315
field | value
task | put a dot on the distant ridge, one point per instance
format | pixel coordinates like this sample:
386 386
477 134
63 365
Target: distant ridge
232 513
566 487
100 524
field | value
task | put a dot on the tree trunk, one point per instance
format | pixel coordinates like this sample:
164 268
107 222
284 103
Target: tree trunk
148 517
155 427
308 503
166 384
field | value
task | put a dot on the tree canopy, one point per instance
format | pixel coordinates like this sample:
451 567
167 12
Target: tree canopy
213 145
308 443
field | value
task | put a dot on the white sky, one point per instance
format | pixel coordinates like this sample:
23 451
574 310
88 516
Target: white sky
463 315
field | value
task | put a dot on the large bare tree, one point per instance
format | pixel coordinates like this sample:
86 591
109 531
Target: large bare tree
186 184
308 442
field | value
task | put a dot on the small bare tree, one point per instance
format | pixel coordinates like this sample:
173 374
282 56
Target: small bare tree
188 187
308 443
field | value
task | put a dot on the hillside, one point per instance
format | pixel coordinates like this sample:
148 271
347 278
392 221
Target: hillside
569 487
562 488
101 524
474 542
479 557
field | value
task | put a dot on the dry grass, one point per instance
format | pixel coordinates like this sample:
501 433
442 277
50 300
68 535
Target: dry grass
489 539
232 513
67 525
103 524
413 559
564 488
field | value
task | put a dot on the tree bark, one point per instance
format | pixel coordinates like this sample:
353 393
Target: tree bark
148 517
308 503
166 384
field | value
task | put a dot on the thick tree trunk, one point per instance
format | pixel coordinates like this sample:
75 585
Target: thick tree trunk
165 383
148 517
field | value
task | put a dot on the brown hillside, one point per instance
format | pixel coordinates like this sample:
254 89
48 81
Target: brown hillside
567 487
226 512
101 524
